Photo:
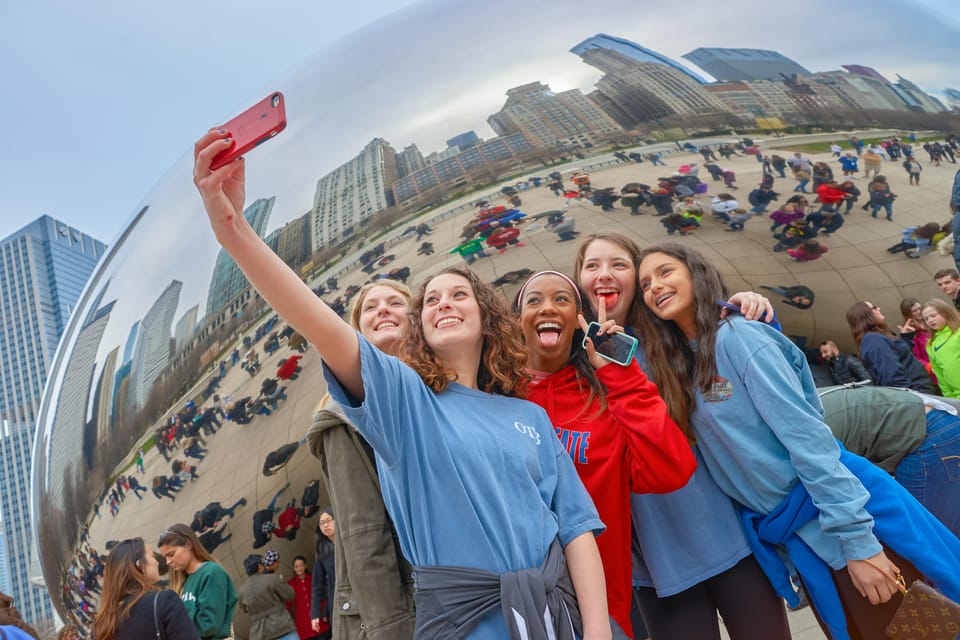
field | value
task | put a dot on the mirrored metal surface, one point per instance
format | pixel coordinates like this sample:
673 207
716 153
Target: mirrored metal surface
394 136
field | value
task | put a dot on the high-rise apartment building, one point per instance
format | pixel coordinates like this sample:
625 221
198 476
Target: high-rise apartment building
728 65
43 269
643 90
548 119
410 160
351 194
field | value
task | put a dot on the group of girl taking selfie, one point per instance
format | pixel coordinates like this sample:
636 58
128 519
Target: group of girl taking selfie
540 490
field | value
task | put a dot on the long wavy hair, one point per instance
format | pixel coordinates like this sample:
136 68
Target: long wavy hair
502 356
181 535
584 371
679 369
124 583
861 321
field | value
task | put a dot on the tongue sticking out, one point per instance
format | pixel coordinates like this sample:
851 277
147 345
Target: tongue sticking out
609 299
549 338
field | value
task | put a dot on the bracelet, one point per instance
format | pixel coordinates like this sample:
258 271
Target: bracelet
898 577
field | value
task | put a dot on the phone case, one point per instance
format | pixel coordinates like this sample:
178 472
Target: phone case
254 126
624 346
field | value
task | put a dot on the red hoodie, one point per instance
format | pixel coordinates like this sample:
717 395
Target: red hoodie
632 446
830 194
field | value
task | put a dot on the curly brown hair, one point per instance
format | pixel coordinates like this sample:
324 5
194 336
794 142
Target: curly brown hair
502 356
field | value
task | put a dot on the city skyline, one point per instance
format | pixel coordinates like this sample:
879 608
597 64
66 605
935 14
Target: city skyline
120 174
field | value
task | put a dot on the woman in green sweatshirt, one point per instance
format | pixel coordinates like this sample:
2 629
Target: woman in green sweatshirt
944 346
204 587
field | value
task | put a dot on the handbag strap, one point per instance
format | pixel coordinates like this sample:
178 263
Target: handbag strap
898 577
156 622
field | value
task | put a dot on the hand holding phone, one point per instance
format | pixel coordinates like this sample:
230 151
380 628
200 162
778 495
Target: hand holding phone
254 126
615 347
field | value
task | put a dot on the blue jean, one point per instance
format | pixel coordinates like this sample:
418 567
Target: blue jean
886 206
289 636
931 472
758 208
801 185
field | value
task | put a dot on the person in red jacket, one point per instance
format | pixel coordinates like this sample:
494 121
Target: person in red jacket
289 368
610 418
830 196
299 607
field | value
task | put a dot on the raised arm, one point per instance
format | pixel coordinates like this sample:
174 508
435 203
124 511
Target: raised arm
223 194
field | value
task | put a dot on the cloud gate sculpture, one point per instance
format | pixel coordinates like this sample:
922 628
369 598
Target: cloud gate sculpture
394 136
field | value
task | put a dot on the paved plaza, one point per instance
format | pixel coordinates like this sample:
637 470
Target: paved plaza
856 267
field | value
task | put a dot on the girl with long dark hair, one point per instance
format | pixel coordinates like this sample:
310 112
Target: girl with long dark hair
746 394
131 606
889 359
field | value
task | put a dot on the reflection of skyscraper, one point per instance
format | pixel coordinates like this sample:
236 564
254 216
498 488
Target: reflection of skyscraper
644 85
352 193
186 325
549 119
409 160
464 140
228 281
76 390
43 269
632 51
728 65
152 352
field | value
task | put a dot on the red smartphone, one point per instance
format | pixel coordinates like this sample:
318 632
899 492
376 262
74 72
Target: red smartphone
254 126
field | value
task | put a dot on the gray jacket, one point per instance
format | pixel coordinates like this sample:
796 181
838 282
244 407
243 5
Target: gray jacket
374 592
264 597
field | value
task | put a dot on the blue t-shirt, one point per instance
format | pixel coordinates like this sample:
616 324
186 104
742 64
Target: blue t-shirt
686 536
471 479
760 430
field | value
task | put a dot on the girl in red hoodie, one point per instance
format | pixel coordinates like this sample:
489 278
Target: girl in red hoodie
610 418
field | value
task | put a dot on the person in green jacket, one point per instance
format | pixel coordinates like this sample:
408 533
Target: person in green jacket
204 587
944 346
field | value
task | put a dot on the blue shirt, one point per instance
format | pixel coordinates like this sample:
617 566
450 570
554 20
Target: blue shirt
760 430
686 536
471 479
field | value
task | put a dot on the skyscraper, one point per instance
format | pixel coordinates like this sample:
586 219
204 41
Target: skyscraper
550 119
633 51
350 195
43 269
643 90
729 65
228 281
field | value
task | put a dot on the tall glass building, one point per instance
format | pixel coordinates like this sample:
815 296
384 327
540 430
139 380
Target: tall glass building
43 269
633 51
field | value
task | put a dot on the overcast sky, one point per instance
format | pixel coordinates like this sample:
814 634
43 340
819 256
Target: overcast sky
101 99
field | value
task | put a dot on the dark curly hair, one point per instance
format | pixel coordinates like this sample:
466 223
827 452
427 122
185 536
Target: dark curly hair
502 357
